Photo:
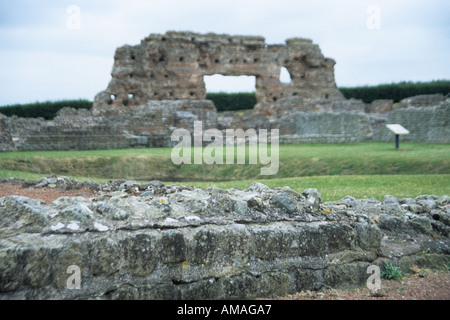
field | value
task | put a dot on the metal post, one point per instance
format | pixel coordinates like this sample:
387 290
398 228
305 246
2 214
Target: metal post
397 136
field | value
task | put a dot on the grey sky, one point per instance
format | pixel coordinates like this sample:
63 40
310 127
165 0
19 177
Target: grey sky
41 58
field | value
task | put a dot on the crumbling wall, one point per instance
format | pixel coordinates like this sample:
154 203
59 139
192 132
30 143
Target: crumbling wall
426 124
151 241
171 66
424 100
149 125
317 121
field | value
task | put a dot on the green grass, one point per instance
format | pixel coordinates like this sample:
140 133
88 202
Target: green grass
359 186
295 161
336 170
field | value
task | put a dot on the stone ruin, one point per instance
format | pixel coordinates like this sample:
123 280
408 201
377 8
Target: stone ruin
157 86
149 240
154 241
171 66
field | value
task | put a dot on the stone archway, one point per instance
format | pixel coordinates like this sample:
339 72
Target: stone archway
172 67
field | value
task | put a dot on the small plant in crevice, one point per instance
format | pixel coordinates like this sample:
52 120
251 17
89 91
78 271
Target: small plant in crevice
391 272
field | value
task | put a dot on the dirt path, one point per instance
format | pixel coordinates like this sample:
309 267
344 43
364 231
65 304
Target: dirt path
46 194
429 285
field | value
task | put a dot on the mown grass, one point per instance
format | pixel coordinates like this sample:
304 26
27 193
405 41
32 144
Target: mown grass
359 186
295 161
360 169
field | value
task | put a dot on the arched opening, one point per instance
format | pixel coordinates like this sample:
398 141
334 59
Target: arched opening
285 76
220 83
231 92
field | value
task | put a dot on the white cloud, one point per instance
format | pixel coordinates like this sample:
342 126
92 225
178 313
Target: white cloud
217 83
38 76
42 59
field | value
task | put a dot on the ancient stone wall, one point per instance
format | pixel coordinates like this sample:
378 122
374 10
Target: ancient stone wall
151 241
422 100
425 124
171 66
150 125
318 121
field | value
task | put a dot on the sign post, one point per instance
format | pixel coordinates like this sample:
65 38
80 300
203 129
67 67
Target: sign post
397 130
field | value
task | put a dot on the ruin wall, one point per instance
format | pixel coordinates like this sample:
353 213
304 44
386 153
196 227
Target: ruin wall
171 66
157 86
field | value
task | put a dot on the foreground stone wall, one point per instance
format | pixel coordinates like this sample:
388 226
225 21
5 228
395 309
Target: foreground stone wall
151 241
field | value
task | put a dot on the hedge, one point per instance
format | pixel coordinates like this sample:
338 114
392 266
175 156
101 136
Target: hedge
396 91
232 101
247 100
46 110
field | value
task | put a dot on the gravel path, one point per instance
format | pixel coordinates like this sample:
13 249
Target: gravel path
46 194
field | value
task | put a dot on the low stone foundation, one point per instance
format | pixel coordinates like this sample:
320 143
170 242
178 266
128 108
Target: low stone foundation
151 125
151 241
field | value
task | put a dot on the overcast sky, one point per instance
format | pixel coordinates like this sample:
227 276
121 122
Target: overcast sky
47 53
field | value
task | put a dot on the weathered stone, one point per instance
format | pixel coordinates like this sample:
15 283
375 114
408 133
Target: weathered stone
368 236
427 205
425 124
407 201
255 202
391 223
63 202
111 212
393 208
79 212
18 209
258 187
147 194
441 216
380 106
427 197
172 66
156 184
443 200
391 199
128 184
313 197
422 100
416 208
349 201
422 224
239 244
283 202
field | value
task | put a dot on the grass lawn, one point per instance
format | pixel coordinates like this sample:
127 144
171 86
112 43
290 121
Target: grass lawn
358 186
359 169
